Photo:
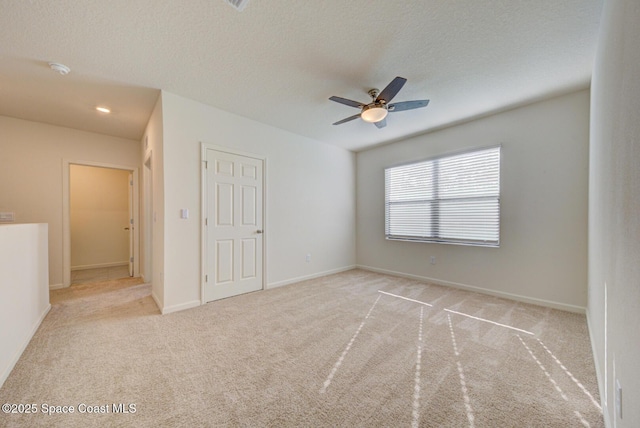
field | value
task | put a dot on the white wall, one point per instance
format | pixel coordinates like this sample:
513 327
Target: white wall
98 213
310 197
544 176
614 210
31 172
24 289
152 148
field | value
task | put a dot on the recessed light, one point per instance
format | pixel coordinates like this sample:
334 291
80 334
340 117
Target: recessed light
103 110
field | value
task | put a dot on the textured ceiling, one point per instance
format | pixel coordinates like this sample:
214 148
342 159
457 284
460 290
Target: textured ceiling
279 61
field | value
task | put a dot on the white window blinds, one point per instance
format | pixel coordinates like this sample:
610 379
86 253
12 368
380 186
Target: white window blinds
450 199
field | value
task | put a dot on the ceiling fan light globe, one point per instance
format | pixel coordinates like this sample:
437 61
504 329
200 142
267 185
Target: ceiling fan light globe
374 114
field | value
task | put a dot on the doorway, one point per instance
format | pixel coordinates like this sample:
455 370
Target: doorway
100 239
233 239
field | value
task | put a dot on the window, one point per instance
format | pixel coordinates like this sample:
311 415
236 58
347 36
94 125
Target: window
450 199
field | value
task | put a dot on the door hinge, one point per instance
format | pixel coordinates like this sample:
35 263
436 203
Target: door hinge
206 278
130 259
130 221
206 222
206 164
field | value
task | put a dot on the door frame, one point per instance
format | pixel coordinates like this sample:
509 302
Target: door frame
203 211
66 217
131 228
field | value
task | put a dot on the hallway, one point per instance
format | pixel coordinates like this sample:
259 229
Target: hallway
87 276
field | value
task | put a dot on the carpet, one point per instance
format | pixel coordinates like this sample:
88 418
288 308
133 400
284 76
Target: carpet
355 349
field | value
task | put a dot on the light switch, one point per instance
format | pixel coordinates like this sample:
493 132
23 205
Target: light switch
7 217
184 213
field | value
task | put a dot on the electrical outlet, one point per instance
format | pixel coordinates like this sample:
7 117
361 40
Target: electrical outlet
308 258
433 260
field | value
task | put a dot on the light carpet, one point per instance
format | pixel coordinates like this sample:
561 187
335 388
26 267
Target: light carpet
355 349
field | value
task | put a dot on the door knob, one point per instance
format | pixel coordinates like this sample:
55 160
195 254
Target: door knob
126 228
258 231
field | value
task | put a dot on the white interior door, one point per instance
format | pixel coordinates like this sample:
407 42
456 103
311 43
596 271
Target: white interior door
233 225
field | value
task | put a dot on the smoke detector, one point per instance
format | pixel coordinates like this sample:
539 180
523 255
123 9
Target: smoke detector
239 5
59 68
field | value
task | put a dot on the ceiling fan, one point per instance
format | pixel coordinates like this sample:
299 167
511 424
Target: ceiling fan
376 111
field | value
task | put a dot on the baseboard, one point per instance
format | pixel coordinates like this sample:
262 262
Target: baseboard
56 286
307 277
502 294
99 265
156 299
174 308
181 307
19 352
599 374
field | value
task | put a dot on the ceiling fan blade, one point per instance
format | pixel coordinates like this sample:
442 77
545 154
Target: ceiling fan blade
391 90
348 119
407 105
381 124
347 102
